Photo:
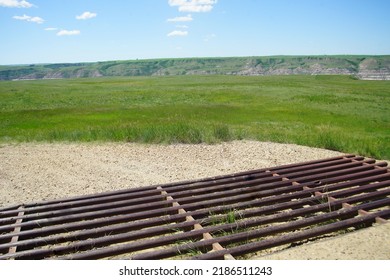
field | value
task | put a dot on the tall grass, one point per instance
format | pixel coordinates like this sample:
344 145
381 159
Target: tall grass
332 112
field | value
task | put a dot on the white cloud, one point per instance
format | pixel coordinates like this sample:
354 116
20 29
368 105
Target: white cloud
15 4
209 37
86 15
182 26
68 32
195 6
181 19
30 19
51 29
177 33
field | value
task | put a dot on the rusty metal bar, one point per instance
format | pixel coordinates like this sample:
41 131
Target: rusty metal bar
85 234
94 207
245 236
197 226
129 217
130 221
293 237
366 178
16 231
66 206
244 224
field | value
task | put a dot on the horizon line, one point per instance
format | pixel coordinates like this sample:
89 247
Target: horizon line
194 57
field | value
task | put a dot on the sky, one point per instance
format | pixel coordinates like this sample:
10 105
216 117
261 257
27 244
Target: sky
67 31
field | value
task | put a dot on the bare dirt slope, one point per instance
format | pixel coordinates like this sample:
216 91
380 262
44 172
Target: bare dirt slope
34 172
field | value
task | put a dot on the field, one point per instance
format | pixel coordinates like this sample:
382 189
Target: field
333 112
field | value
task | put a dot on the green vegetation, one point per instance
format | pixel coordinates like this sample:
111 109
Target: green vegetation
263 65
332 112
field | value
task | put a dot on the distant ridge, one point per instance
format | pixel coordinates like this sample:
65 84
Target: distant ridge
360 66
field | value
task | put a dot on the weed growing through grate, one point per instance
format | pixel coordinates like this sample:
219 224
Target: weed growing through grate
190 252
231 217
325 198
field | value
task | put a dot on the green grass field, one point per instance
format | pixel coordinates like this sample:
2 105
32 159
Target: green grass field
332 112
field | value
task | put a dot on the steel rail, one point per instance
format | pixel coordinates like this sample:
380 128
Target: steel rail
130 221
129 236
157 220
364 175
213 199
200 187
243 236
293 237
179 217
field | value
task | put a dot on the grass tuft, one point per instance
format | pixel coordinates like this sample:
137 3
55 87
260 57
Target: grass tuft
329 139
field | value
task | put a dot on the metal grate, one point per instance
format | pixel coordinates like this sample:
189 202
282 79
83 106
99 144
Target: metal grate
223 217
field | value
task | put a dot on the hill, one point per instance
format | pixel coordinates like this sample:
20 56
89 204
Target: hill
362 67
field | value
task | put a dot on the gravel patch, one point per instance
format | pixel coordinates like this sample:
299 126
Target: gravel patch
34 172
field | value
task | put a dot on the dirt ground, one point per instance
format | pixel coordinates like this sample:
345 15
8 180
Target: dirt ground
365 244
35 171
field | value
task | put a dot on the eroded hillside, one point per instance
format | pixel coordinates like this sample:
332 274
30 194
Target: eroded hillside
362 67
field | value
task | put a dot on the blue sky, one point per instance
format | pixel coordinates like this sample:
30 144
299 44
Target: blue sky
53 31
